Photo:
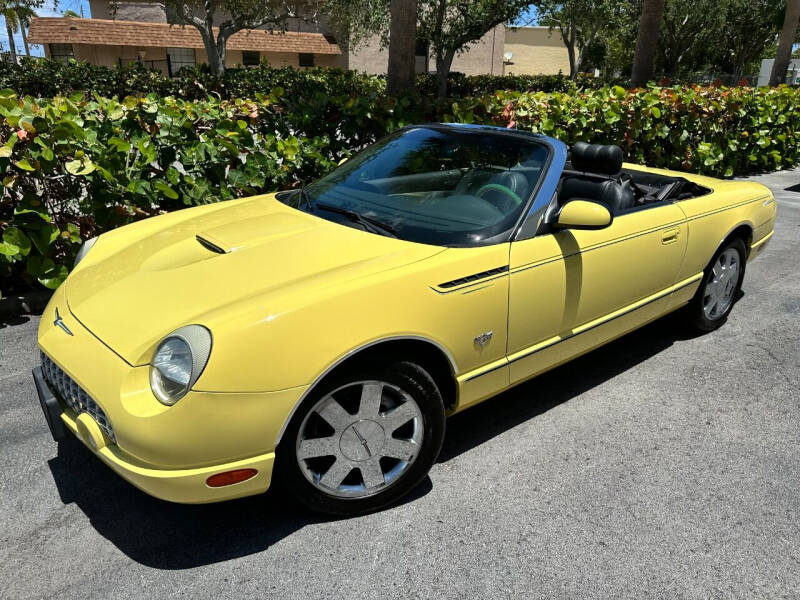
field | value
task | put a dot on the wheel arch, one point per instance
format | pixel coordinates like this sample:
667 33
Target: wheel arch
743 231
436 359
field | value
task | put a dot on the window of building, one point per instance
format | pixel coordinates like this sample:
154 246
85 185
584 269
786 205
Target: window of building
179 58
62 52
250 58
421 56
306 59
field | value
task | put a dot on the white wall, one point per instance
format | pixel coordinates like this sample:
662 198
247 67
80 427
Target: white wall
766 69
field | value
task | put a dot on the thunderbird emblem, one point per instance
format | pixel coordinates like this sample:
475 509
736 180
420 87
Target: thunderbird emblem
483 338
59 322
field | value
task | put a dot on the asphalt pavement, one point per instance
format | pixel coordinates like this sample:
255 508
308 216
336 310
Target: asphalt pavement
661 466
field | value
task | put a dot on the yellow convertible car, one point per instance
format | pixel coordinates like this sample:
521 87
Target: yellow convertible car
320 336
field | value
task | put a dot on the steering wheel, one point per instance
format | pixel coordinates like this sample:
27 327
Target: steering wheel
509 193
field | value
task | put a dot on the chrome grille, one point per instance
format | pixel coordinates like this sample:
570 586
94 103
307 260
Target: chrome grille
74 395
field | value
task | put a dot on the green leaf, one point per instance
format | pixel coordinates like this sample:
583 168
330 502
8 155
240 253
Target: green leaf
74 166
25 165
655 111
8 250
17 240
173 175
166 190
26 123
54 277
82 166
120 144
47 234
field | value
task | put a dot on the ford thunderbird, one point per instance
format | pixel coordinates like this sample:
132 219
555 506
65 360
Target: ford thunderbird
319 337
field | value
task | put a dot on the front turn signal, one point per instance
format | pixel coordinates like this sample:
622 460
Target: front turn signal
230 477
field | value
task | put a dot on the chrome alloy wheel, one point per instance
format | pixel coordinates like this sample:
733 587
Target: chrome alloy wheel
721 286
359 439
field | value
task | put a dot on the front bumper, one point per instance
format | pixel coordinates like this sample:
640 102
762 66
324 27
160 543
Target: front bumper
175 485
168 452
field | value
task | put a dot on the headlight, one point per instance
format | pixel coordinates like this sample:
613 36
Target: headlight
178 361
87 245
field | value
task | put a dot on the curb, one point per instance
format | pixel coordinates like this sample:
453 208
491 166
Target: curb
32 303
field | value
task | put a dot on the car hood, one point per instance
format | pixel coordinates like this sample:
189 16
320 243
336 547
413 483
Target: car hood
143 281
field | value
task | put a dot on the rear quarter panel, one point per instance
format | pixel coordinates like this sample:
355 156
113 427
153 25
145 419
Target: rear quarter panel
712 218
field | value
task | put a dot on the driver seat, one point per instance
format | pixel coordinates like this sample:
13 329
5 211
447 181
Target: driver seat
599 179
512 180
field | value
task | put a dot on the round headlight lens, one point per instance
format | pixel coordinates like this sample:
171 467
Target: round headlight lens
178 361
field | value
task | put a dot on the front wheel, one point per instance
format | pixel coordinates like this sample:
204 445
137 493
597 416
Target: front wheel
363 440
722 281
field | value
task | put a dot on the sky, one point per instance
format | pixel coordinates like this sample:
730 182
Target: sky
528 17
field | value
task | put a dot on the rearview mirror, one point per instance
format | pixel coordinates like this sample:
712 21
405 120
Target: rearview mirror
583 214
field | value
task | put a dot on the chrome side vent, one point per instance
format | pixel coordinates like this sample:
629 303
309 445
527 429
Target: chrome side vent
209 245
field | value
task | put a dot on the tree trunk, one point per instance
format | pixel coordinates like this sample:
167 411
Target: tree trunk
785 43
402 47
443 64
12 48
23 30
573 66
569 42
213 49
647 42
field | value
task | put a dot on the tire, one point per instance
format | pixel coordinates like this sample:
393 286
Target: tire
347 452
718 292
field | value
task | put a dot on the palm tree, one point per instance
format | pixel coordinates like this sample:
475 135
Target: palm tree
12 26
785 42
402 46
25 14
17 16
647 42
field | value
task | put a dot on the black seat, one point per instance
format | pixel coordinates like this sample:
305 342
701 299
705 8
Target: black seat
599 180
616 196
511 180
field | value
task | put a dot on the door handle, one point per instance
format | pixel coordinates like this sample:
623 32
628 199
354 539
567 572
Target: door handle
670 236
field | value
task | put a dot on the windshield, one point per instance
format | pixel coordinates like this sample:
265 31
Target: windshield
432 185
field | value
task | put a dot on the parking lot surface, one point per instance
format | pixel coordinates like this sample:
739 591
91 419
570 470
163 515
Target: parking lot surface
660 466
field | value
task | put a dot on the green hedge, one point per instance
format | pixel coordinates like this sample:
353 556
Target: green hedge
709 130
73 167
45 78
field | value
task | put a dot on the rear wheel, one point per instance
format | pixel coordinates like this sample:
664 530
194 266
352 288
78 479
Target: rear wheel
363 440
722 281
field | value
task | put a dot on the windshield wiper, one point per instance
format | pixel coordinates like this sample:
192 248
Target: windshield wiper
305 197
368 223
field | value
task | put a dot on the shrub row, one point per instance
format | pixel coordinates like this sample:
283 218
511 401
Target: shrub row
72 167
708 130
45 78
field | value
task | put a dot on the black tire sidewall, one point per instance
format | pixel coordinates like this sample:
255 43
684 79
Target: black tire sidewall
412 379
699 318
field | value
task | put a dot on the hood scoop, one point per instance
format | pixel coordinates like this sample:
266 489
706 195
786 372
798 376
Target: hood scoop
240 235
213 246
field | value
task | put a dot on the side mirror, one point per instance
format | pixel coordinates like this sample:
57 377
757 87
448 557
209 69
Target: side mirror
341 162
583 214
